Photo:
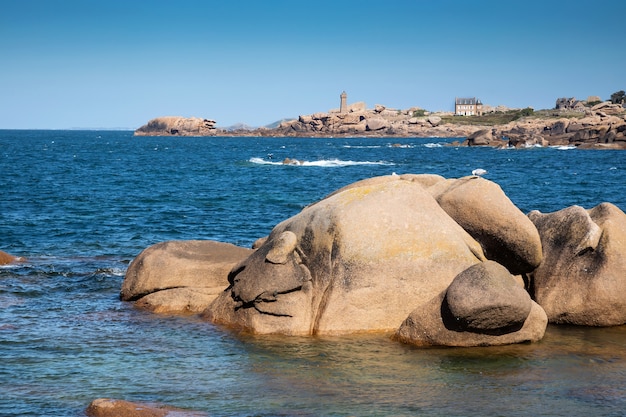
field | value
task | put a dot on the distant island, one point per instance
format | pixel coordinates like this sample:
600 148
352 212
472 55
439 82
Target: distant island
590 123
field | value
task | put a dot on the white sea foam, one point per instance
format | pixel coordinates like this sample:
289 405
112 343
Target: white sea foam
262 161
564 147
319 163
118 272
433 145
401 145
362 146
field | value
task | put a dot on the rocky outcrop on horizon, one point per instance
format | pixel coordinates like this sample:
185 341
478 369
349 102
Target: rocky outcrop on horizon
380 121
602 126
177 126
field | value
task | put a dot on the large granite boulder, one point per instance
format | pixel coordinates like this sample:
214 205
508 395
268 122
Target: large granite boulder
359 260
483 306
487 298
582 278
180 276
480 206
483 137
377 123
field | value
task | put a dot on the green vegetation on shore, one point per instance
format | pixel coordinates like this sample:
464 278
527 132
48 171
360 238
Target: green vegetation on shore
501 118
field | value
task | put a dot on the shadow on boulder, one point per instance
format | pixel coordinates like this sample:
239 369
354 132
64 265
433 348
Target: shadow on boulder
483 306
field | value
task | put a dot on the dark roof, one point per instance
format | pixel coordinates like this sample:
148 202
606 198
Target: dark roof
467 101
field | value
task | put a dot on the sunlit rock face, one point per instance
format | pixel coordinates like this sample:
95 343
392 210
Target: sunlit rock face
482 208
582 278
180 276
359 260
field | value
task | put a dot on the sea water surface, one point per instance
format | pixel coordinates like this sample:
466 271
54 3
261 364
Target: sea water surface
80 205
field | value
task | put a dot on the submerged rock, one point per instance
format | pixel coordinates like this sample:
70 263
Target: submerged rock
106 407
7 258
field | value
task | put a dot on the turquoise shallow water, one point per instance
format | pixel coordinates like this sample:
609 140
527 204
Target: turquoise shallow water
80 205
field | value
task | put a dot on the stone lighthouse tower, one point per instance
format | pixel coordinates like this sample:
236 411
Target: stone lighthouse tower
343 107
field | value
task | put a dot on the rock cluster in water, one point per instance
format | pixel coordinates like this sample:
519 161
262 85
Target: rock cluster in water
434 261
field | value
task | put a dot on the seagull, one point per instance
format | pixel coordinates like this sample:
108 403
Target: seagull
479 172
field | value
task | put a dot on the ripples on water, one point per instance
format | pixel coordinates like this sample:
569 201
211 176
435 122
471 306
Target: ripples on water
81 205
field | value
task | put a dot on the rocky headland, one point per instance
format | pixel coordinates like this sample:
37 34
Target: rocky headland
177 126
600 126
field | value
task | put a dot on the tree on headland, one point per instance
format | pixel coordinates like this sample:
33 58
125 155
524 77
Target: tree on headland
618 97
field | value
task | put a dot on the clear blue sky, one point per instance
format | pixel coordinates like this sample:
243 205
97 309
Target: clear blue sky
119 63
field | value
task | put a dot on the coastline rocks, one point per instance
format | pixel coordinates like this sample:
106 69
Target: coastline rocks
483 306
600 127
106 407
360 121
180 276
582 278
177 126
484 137
480 206
358 260
596 130
377 123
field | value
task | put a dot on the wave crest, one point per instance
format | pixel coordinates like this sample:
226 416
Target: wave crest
318 163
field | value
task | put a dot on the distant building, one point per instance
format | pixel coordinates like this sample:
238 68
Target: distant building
468 107
343 106
570 104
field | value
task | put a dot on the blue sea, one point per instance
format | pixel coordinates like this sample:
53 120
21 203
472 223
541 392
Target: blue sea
80 205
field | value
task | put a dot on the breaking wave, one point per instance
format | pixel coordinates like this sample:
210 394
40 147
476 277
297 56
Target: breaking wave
318 163
362 146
